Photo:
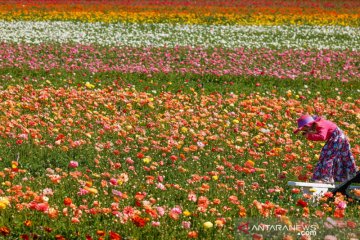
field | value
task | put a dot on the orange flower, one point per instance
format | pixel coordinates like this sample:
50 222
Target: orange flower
356 192
100 233
319 213
203 202
242 211
53 213
249 164
192 234
139 196
4 231
216 201
28 223
59 237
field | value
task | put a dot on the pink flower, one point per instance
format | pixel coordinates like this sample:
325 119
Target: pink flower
192 197
65 212
129 211
113 181
42 207
129 161
234 199
116 193
82 192
176 210
161 186
48 191
155 224
160 178
186 224
73 164
341 205
75 220
330 237
161 211
23 136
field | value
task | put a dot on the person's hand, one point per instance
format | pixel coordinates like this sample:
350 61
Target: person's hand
305 130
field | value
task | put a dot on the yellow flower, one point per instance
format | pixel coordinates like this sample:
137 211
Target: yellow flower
207 225
215 177
186 213
89 85
184 130
4 202
147 160
91 190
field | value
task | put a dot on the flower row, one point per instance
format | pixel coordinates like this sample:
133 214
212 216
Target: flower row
298 37
304 64
199 16
71 118
329 4
188 12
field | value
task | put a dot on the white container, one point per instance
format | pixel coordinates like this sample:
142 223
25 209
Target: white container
315 189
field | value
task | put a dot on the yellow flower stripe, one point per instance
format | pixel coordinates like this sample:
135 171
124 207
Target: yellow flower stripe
189 15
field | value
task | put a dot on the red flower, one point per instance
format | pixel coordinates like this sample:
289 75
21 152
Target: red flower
140 196
301 203
339 213
328 194
280 211
173 158
114 236
139 221
60 137
25 237
67 201
351 224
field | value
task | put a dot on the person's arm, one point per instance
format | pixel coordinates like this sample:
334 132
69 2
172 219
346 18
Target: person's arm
319 134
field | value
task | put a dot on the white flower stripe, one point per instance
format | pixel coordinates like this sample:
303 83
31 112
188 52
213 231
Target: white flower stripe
276 37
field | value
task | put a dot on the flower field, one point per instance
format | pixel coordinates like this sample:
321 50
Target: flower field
171 119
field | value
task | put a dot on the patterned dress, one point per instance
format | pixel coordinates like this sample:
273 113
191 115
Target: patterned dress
336 161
